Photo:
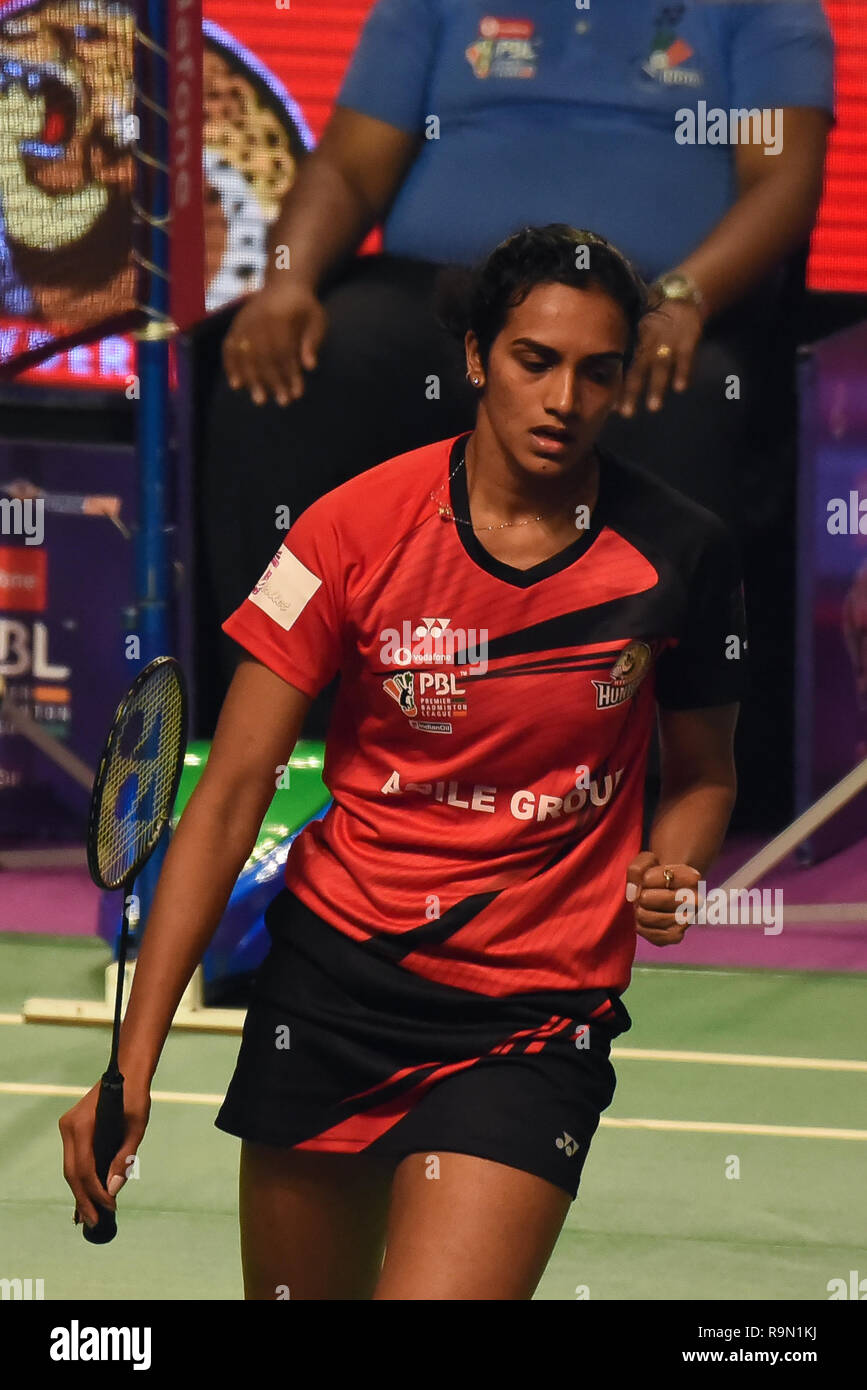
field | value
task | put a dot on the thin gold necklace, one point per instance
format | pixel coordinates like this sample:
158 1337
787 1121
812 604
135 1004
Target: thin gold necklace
446 512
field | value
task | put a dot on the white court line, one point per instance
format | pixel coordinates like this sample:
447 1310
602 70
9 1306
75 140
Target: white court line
825 913
743 970
22 1088
633 1054
641 1054
706 970
737 1059
712 1127
37 1088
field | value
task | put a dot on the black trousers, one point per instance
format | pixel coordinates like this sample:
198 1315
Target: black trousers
390 379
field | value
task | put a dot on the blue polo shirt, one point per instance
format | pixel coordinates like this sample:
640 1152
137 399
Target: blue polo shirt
536 111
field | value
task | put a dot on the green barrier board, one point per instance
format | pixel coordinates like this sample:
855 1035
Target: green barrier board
301 796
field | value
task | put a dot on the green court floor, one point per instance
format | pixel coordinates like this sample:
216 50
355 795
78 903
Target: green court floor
778 1090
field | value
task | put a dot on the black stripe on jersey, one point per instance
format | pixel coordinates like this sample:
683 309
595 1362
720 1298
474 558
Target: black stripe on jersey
399 944
585 661
535 669
593 661
638 617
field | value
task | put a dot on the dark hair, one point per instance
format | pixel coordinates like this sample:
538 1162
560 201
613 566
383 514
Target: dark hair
479 300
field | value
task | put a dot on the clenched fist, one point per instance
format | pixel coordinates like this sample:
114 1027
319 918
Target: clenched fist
653 889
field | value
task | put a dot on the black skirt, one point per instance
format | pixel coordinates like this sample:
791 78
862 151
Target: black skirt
345 1051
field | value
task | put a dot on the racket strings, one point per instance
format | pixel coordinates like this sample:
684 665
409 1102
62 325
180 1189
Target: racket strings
140 774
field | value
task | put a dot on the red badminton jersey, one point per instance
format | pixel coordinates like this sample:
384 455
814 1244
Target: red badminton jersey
487 749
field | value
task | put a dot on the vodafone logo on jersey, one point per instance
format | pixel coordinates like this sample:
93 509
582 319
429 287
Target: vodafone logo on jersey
434 642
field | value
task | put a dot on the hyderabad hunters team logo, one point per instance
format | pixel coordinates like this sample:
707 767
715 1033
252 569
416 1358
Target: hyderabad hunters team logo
626 675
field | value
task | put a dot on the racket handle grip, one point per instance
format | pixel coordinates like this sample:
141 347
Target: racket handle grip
108 1136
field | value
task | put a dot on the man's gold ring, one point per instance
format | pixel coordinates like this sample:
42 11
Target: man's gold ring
668 877
663 350
243 344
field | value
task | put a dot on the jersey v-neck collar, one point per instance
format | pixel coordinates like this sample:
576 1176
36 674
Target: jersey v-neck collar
510 574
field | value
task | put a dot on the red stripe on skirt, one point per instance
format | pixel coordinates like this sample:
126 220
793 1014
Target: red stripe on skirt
357 1132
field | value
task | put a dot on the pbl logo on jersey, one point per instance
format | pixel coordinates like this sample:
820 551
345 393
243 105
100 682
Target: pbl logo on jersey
433 695
625 676
504 48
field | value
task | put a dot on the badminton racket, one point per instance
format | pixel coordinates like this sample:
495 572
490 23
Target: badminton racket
133 796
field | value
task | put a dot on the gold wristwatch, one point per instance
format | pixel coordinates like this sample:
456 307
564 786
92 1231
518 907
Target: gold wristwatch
680 288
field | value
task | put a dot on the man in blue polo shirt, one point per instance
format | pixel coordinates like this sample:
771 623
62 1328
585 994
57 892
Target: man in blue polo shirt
691 135
543 112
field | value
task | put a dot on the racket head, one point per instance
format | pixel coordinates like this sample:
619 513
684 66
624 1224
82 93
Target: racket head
138 774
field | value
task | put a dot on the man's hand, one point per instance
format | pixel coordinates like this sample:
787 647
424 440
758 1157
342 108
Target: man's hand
274 338
668 338
655 899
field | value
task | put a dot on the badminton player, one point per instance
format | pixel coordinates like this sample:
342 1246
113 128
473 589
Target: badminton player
426 1055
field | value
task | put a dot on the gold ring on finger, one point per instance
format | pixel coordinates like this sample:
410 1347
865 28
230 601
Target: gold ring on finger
668 877
243 344
664 350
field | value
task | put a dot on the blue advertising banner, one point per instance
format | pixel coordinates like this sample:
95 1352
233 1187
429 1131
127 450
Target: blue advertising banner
67 520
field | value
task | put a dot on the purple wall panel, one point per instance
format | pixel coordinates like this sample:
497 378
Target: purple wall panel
832 599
